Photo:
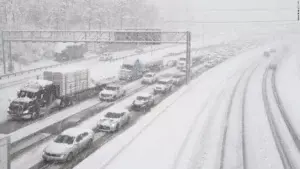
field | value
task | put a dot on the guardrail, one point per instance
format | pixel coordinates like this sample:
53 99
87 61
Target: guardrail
70 62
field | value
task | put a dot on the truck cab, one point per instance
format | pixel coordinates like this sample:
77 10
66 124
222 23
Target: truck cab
24 108
31 97
131 70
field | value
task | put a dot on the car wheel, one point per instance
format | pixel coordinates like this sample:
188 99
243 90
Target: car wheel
70 157
90 142
128 120
118 127
34 115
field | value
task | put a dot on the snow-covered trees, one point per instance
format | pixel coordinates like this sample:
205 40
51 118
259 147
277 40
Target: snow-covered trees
76 14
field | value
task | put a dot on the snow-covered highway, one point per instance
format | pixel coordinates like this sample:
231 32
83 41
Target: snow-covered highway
230 117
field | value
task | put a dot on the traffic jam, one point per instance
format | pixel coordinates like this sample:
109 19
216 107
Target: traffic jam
117 104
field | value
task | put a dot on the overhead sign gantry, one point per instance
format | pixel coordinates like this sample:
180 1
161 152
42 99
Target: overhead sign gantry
138 36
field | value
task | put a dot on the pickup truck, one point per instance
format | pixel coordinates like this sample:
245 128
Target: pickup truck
112 92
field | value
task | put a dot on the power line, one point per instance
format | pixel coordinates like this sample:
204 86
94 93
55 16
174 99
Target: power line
229 22
248 10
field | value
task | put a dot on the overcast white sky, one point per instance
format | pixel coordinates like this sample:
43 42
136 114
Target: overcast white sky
197 9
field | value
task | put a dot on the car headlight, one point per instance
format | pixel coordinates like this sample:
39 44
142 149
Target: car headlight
25 112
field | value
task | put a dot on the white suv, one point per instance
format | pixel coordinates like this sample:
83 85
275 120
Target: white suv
149 78
112 92
163 85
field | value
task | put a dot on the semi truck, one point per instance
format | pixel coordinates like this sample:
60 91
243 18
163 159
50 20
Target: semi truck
58 89
134 68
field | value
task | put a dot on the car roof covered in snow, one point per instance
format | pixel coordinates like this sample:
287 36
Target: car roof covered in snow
164 79
23 99
150 73
145 94
114 85
75 131
117 110
178 74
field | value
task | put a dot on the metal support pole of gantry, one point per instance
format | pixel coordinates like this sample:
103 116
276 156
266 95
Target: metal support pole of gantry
11 64
188 57
3 53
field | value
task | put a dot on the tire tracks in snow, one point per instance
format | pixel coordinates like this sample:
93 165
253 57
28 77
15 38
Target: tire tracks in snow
281 148
228 115
283 111
205 129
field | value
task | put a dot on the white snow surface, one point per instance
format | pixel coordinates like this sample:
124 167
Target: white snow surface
155 141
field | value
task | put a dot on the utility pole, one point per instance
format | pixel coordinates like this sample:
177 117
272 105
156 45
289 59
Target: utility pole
3 54
188 57
298 17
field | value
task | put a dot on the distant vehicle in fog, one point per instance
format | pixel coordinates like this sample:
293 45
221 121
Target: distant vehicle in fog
149 78
133 69
105 57
69 51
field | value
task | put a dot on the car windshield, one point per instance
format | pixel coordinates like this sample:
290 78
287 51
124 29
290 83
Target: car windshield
126 66
64 139
111 88
142 98
149 75
113 115
27 94
177 76
162 82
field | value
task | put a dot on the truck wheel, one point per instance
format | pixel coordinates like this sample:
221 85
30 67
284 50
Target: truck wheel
70 157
